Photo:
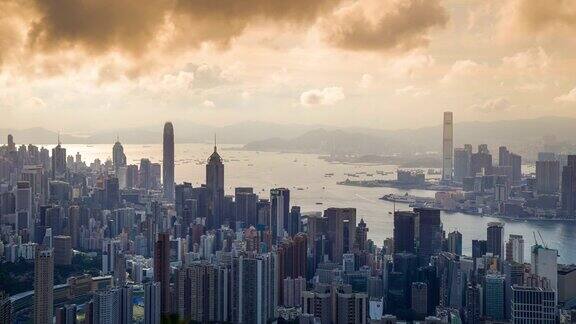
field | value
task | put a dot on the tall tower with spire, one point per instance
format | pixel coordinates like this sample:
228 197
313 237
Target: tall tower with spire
215 185
168 161
118 156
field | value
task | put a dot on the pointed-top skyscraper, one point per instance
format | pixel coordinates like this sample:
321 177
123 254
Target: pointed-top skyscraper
215 185
168 161
118 156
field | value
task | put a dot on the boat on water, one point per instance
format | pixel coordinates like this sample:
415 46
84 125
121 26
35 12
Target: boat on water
406 198
412 201
319 203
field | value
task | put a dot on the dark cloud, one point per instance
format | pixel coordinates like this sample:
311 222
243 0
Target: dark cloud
132 25
378 25
97 26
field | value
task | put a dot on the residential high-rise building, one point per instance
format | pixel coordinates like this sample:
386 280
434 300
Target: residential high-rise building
162 271
351 308
215 185
544 263
568 197
168 161
152 299
279 211
495 239
341 231
145 174
533 305
246 201
113 305
255 293
515 248
455 242
447 147
74 225
43 286
481 161
62 250
516 164
66 314
24 206
405 231
547 177
462 159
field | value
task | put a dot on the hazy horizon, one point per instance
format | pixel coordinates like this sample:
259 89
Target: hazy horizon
89 66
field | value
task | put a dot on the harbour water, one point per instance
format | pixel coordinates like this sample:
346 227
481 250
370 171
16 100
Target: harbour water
312 189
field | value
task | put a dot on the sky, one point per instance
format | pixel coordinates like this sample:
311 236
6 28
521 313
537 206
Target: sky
82 66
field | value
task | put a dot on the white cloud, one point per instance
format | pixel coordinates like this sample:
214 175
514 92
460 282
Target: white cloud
36 102
366 81
322 97
181 81
534 59
569 97
462 69
208 103
246 95
493 105
412 91
409 65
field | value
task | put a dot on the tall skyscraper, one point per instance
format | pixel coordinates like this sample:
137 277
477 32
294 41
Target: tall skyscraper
279 212
494 296
43 286
430 233
215 185
447 147
168 161
118 156
341 231
569 187
545 264
405 231
495 239
152 303
58 161
162 271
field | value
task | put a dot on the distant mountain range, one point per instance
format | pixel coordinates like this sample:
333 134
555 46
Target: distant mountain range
520 135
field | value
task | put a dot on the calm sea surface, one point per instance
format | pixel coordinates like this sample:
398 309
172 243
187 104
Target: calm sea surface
304 175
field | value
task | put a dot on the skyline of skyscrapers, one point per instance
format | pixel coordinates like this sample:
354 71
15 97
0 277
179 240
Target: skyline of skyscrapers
208 257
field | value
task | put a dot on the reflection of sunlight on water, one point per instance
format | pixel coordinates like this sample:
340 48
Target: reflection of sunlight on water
264 170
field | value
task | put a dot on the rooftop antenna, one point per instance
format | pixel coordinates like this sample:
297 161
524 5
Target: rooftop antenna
117 137
214 142
59 138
